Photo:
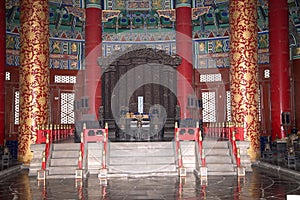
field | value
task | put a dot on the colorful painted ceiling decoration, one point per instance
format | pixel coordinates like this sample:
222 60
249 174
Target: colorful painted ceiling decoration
64 54
138 5
70 15
67 17
213 53
129 22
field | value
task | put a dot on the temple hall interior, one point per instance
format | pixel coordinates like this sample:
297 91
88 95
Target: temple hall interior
150 99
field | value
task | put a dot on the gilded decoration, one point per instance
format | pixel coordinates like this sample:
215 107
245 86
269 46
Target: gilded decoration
77 12
119 4
244 77
141 51
110 14
140 5
169 14
34 73
200 11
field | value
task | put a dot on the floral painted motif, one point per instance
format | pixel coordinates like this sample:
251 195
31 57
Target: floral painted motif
34 72
244 73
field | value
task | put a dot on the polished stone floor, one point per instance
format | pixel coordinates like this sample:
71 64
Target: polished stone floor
261 184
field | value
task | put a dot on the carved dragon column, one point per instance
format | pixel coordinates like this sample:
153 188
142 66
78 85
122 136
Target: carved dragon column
93 49
279 61
244 70
2 70
184 50
34 73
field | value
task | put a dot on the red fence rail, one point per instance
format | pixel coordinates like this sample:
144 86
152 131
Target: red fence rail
223 130
57 133
189 134
95 135
46 135
46 152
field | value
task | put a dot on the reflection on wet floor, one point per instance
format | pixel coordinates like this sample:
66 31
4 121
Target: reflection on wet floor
257 185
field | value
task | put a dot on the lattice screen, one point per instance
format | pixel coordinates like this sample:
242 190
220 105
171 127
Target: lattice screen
7 76
17 108
209 106
210 77
266 73
67 115
228 106
64 79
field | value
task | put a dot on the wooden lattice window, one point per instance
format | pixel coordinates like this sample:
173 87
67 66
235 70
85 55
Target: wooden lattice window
67 115
209 106
228 106
17 108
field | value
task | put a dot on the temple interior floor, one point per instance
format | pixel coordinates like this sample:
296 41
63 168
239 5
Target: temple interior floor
260 184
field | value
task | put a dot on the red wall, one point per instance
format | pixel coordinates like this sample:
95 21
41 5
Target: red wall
12 85
221 87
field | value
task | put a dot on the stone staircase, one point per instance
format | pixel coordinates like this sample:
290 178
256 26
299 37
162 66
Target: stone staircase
218 156
63 160
141 158
188 151
94 157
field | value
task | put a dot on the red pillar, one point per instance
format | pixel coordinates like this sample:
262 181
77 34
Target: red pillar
93 50
279 61
244 71
2 69
34 73
184 50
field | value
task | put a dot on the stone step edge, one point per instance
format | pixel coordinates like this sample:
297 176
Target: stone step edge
141 164
119 175
141 156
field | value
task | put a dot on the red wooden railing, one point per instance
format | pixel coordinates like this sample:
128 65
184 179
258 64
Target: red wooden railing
46 135
189 134
234 147
201 150
58 133
222 130
178 151
41 134
81 150
227 131
238 158
46 152
94 135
